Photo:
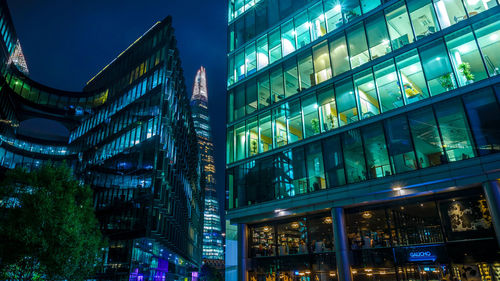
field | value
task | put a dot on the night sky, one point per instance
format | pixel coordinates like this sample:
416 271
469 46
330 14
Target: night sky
66 42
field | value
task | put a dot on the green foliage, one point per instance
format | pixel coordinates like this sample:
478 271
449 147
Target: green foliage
464 68
315 125
445 81
48 229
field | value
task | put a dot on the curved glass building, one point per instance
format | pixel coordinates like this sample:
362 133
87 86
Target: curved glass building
130 135
363 139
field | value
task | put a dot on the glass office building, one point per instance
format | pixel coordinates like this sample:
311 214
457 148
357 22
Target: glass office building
213 252
129 134
363 139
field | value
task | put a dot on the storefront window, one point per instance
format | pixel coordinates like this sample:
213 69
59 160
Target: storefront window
266 138
484 117
262 53
400 145
264 88
262 241
306 71
280 126
388 86
423 18
288 40
277 89
322 69
320 234
294 118
367 94
368 229
358 48
354 156
399 25
416 223
454 129
334 162
333 14
412 77
292 238
339 56
310 111
426 138
378 38
346 102
465 56
437 67
449 12
327 108
488 37
291 77
377 157
315 170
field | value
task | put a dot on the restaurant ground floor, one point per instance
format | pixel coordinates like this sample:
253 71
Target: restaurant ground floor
437 236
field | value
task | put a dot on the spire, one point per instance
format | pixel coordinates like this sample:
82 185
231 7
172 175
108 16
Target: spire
200 86
18 59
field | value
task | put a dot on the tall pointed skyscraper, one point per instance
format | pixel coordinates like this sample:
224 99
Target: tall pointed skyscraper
213 252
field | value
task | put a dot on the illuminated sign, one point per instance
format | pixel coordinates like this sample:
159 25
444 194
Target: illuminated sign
423 255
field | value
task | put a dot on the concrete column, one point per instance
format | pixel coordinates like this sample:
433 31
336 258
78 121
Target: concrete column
492 192
242 251
341 245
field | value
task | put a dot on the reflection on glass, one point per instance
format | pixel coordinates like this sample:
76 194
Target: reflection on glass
302 26
292 238
334 164
315 171
240 141
306 72
377 158
262 53
264 89
358 47
310 111
317 21
291 77
426 138
354 156
333 14
252 136
400 144
274 45
250 59
454 129
277 89
251 96
262 241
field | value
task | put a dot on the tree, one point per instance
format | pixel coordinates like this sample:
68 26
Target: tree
48 229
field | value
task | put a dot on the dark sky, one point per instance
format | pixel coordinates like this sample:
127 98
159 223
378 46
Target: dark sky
66 42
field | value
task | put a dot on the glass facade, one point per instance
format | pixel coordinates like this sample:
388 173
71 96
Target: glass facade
379 114
129 134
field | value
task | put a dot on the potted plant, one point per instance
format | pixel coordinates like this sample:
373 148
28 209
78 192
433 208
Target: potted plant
315 125
464 68
446 82
253 147
331 119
